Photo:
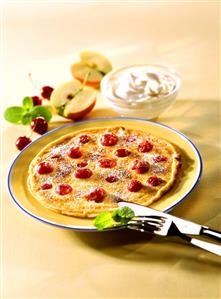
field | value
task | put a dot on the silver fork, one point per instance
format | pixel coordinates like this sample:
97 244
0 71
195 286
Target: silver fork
162 226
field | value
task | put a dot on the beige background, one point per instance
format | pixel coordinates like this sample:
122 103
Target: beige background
40 261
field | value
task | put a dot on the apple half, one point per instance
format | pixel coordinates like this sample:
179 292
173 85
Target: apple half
92 68
73 100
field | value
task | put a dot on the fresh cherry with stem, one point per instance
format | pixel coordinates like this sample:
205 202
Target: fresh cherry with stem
46 91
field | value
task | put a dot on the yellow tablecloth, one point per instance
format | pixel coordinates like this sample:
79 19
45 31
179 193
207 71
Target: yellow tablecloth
41 261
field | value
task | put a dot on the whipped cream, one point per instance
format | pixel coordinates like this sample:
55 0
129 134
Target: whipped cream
139 84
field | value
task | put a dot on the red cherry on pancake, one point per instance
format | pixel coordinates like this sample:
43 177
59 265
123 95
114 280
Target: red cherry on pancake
83 173
82 164
74 152
46 186
140 166
112 179
44 168
134 186
122 152
155 181
107 163
83 139
145 146
159 158
63 189
97 195
109 139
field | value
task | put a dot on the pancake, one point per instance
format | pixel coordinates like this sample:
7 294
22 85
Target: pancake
88 171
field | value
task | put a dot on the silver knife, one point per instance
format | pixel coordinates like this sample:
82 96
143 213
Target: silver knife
184 227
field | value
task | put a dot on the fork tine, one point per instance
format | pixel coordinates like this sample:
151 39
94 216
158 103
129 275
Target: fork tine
143 229
143 225
153 223
150 220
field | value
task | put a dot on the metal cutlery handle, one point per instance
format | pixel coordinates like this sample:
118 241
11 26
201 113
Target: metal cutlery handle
207 246
211 233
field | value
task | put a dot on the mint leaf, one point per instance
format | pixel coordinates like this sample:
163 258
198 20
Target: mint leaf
119 217
41 111
27 103
123 215
104 220
26 118
13 114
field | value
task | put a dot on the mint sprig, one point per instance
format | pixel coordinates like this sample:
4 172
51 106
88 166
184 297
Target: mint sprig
25 113
119 217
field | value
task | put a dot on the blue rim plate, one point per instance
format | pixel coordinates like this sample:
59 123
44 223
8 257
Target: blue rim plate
17 176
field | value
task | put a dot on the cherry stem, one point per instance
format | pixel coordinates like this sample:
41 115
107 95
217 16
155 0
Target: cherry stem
83 84
86 78
32 82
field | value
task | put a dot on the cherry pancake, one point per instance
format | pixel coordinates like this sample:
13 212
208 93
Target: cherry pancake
86 172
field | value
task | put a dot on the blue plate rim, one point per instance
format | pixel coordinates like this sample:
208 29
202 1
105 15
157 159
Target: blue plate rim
79 228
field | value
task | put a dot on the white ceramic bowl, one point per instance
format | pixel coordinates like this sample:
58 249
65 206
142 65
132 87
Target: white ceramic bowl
148 109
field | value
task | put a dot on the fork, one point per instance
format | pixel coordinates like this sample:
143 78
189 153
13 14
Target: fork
162 226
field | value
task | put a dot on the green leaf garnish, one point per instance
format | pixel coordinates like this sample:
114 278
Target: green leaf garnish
123 215
26 118
26 113
104 220
119 217
41 111
13 114
27 104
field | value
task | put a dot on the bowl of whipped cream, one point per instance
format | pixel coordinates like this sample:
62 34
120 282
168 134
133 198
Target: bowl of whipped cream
143 91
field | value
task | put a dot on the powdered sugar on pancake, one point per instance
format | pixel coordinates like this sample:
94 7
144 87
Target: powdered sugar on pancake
85 173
